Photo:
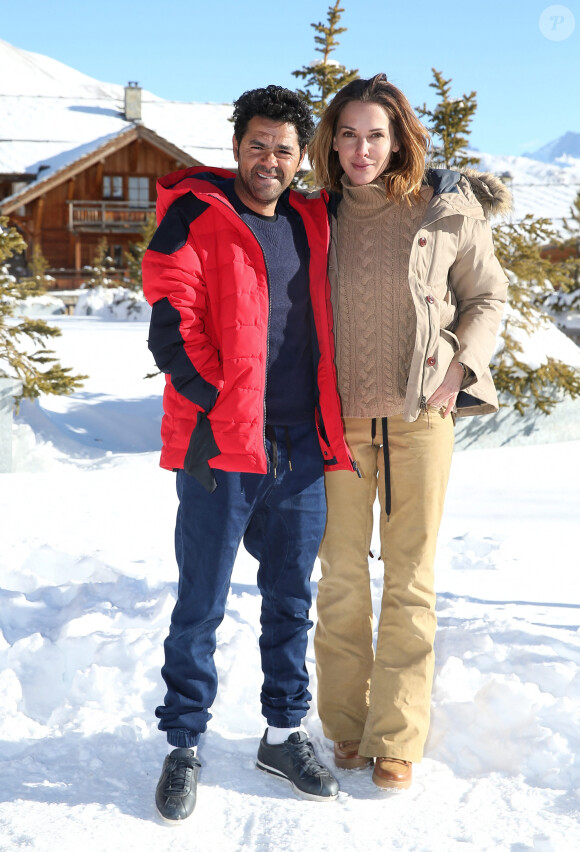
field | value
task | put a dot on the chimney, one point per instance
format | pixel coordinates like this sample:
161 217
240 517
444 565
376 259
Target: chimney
133 101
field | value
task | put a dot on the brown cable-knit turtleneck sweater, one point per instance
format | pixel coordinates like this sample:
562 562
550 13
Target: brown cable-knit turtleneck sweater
374 312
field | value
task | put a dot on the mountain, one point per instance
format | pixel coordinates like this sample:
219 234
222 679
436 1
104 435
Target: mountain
567 145
25 73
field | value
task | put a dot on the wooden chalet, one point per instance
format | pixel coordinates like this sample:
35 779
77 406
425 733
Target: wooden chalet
105 189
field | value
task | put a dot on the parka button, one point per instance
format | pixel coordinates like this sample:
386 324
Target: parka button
422 242
430 299
431 361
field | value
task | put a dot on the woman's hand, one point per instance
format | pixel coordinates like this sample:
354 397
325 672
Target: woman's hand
446 393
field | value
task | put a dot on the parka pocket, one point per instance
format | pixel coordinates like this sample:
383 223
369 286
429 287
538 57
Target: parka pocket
437 364
448 309
451 338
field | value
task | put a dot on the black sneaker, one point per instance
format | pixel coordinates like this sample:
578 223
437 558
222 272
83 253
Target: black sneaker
177 788
295 761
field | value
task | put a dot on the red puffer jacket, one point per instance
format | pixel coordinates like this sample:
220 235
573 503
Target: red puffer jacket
205 276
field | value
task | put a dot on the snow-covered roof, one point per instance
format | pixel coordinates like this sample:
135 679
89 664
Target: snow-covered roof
37 128
64 165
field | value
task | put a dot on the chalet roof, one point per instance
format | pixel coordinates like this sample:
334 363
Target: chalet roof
67 164
35 128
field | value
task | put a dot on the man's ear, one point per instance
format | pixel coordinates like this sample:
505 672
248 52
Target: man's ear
302 155
235 147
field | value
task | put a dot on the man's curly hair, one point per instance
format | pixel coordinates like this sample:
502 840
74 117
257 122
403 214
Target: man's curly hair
277 104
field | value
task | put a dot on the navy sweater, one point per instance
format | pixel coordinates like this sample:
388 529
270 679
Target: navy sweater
290 397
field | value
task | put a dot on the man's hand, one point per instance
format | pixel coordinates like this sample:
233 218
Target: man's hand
446 393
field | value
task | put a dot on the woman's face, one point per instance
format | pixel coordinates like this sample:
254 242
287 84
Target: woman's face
364 141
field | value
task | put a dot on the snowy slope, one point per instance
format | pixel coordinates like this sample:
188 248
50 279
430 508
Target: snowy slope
542 189
25 73
87 583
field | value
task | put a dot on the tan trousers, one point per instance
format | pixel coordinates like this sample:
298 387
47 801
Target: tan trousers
383 698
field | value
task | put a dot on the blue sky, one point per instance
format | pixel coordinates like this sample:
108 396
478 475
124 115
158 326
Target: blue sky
527 83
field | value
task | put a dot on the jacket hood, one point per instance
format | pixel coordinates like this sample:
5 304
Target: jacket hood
207 183
490 191
482 188
199 179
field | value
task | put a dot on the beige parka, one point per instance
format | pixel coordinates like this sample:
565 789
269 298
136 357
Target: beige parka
457 284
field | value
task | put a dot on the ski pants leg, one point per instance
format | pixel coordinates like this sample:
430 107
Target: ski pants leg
382 698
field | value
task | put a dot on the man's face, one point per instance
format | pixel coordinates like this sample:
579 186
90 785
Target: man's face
268 157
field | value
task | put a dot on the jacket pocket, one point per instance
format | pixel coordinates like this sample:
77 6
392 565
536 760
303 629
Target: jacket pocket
437 364
448 309
451 338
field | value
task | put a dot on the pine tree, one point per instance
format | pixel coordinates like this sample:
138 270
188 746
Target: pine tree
325 77
23 352
134 257
449 121
566 296
519 249
102 271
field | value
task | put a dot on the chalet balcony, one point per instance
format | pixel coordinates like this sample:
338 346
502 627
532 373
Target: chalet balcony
108 216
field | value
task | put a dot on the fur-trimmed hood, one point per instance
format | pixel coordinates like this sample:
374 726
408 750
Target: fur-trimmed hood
490 191
469 188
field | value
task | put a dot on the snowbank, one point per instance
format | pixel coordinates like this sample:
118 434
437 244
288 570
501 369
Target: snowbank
113 303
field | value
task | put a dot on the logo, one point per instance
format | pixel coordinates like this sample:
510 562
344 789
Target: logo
557 23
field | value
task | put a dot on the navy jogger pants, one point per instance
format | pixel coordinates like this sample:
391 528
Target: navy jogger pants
280 516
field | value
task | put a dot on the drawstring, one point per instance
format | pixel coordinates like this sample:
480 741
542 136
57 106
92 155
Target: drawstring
288 446
271 435
385 446
387 468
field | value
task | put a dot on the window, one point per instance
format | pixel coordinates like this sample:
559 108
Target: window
113 186
117 255
139 191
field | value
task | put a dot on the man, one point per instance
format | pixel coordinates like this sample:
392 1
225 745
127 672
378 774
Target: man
236 276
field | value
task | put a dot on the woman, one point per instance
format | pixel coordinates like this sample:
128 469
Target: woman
417 297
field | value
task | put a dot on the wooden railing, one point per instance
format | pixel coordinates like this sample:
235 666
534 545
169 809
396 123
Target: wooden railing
72 279
107 215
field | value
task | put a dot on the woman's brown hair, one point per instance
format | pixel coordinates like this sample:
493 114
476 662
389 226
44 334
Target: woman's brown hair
406 166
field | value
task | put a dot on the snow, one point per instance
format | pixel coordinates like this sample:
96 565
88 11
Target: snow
544 342
546 190
88 581
113 303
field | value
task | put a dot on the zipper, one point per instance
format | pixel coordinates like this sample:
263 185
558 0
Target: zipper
423 399
333 244
267 347
229 206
